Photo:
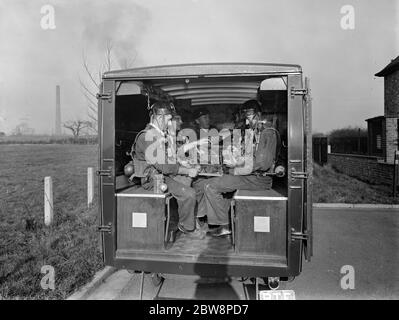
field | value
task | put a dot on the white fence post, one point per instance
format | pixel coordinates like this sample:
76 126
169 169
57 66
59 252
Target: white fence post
90 186
48 201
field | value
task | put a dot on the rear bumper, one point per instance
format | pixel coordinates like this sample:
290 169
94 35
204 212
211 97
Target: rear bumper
204 266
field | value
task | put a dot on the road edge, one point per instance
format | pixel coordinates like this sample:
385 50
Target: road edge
355 205
98 279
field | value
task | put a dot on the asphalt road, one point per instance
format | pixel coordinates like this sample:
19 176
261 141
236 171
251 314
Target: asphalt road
366 239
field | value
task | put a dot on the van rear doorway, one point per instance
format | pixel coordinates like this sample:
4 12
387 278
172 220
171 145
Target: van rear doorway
142 224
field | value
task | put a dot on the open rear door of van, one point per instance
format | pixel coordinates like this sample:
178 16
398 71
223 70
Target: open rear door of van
106 126
308 205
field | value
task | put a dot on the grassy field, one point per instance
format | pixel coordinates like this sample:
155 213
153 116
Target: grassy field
48 139
333 187
72 244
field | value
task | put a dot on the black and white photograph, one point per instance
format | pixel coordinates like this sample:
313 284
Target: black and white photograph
199 155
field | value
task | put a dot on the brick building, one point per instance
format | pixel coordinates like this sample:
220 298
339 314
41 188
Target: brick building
384 130
383 136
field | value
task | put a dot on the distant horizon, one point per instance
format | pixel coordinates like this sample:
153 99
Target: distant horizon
38 134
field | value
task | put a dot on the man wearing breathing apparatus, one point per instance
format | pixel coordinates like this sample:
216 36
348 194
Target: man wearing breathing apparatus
150 157
248 169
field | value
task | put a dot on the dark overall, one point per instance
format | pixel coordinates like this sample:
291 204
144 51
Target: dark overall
216 204
184 194
200 182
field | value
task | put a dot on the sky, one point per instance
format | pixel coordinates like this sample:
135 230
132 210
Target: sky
340 63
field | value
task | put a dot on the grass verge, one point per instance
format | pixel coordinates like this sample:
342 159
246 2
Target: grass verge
330 186
71 245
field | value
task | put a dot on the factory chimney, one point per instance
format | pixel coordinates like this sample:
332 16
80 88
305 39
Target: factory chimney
57 112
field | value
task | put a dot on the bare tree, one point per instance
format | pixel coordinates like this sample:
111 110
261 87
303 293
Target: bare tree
77 126
91 85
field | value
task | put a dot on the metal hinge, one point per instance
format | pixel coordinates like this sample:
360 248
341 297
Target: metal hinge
298 92
104 96
104 173
299 235
298 174
107 228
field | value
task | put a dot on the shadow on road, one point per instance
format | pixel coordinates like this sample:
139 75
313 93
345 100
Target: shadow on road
218 286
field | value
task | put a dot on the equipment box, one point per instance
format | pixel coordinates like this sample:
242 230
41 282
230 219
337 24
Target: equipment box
260 222
141 219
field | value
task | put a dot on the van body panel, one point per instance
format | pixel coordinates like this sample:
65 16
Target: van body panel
169 80
295 163
107 170
203 69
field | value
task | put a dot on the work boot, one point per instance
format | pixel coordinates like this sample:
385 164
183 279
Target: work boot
201 225
197 234
220 231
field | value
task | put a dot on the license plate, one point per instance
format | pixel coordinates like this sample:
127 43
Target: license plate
277 295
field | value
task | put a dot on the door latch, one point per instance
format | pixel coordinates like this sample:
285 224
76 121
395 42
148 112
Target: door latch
298 174
298 92
104 96
295 235
105 228
104 173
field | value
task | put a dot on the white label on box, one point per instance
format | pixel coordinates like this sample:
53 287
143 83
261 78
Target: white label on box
139 220
261 224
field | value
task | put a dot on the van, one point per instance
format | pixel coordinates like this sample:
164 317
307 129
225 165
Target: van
272 229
